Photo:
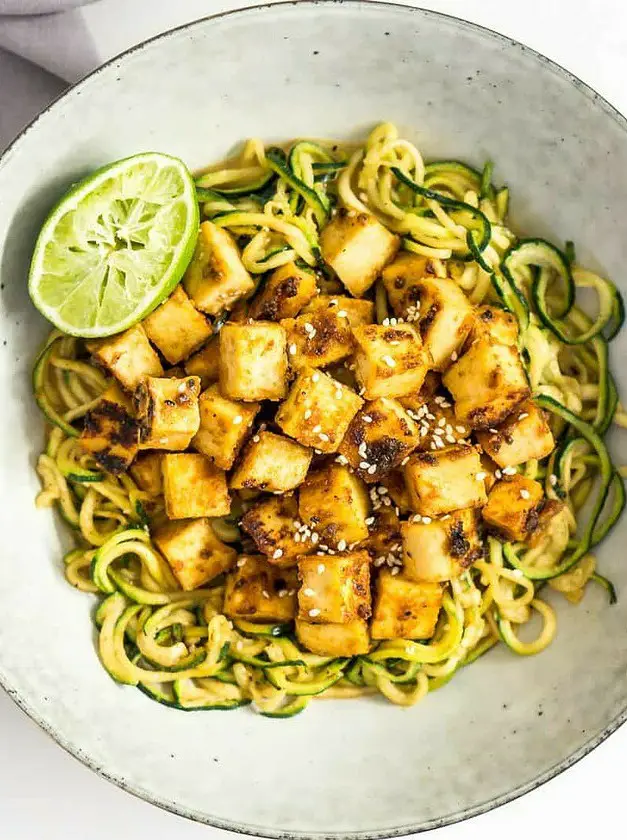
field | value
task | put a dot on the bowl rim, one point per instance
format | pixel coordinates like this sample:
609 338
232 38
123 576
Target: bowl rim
169 805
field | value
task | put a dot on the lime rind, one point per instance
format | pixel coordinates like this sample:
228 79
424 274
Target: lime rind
115 245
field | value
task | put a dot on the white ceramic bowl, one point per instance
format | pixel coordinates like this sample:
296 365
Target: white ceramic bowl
359 768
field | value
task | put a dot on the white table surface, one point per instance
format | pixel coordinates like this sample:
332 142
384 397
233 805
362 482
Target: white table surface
44 793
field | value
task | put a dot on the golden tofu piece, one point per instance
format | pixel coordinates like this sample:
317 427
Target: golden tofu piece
357 247
389 361
272 463
193 487
524 435
317 339
349 639
193 551
127 356
513 507
446 317
405 609
284 293
380 438
400 279
253 361
176 327
318 411
274 526
495 323
441 549
224 426
445 480
258 591
357 311
334 589
167 412
146 472
334 503
110 432
205 363
216 276
384 539
487 383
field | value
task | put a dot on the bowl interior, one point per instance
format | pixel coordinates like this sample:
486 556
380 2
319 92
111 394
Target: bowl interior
353 767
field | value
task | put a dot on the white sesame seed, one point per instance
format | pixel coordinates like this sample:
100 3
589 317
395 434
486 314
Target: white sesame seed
307 414
460 429
493 431
385 322
427 520
497 474
342 314
439 442
297 538
450 439
442 422
315 537
283 593
405 460
256 438
321 568
312 334
379 561
372 469
308 327
454 356
438 432
366 418
333 302
318 451
389 361
552 479
308 592
481 476
395 570
313 613
509 471
523 415
317 429
525 494
364 465
341 459
237 419
278 553
291 592
341 546
362 391
362 449
433 446
315 376
382 491
369 520
241 562
265 594
448 516
292 349
323 437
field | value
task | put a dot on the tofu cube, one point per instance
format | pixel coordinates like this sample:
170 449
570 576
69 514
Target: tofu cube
487 383
442 549
357 247
193 551
167 412
356 311
380 437
337 593
253 361
524 435
513 507
146 472
435 417
334 503
193 487
384 539
216 276
446 317
272 463
318 411
274 526
258 591
445 480
284 293
389 361
127 356
110 432
176 327
317 339
224 426
349 639
400 279
405 609
205 363
495 323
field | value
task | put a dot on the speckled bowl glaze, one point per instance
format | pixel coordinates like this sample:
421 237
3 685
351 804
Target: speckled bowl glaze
353 768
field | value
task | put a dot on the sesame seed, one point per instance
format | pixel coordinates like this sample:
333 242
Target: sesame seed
440 443
379 561
438 432
323 437
313 613
509 471
315 537
292 349
333 302
366 418
283 593
297 538
342 314
362 449
308 592
525 494
395 570
364 465
341 459
385 322
312 334
450 439
315 376
453 356
318 451
317 429
372 469
237 419
278 553
291 592
321 568
433 446
405 460
369 520
448 516
497 474
307 414
389 361
442 422
265 594
382 491
427 520
324 547
493 431
552 479
362 391
341 546
481 476
241 562
523 415
256 439
309 328
460 429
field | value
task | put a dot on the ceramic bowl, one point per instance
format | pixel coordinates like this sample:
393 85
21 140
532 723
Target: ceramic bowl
359 768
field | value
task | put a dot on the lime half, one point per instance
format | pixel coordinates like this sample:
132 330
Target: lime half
115 245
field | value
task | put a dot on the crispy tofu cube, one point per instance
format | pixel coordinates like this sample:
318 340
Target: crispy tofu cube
357 246
380 437
405 609
318 411
224 426
445 480
284 293
443 548
337 593
205 363
389 361
167 412
435 417
216 276
446 317
176 327
487 383
349 639
356 311
513 507
193 551
253 361
524 435
258 591
334 503
317 339
400 279
193 487
273 525
110 432
146 472
384 538
127 356
273 463
495 323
